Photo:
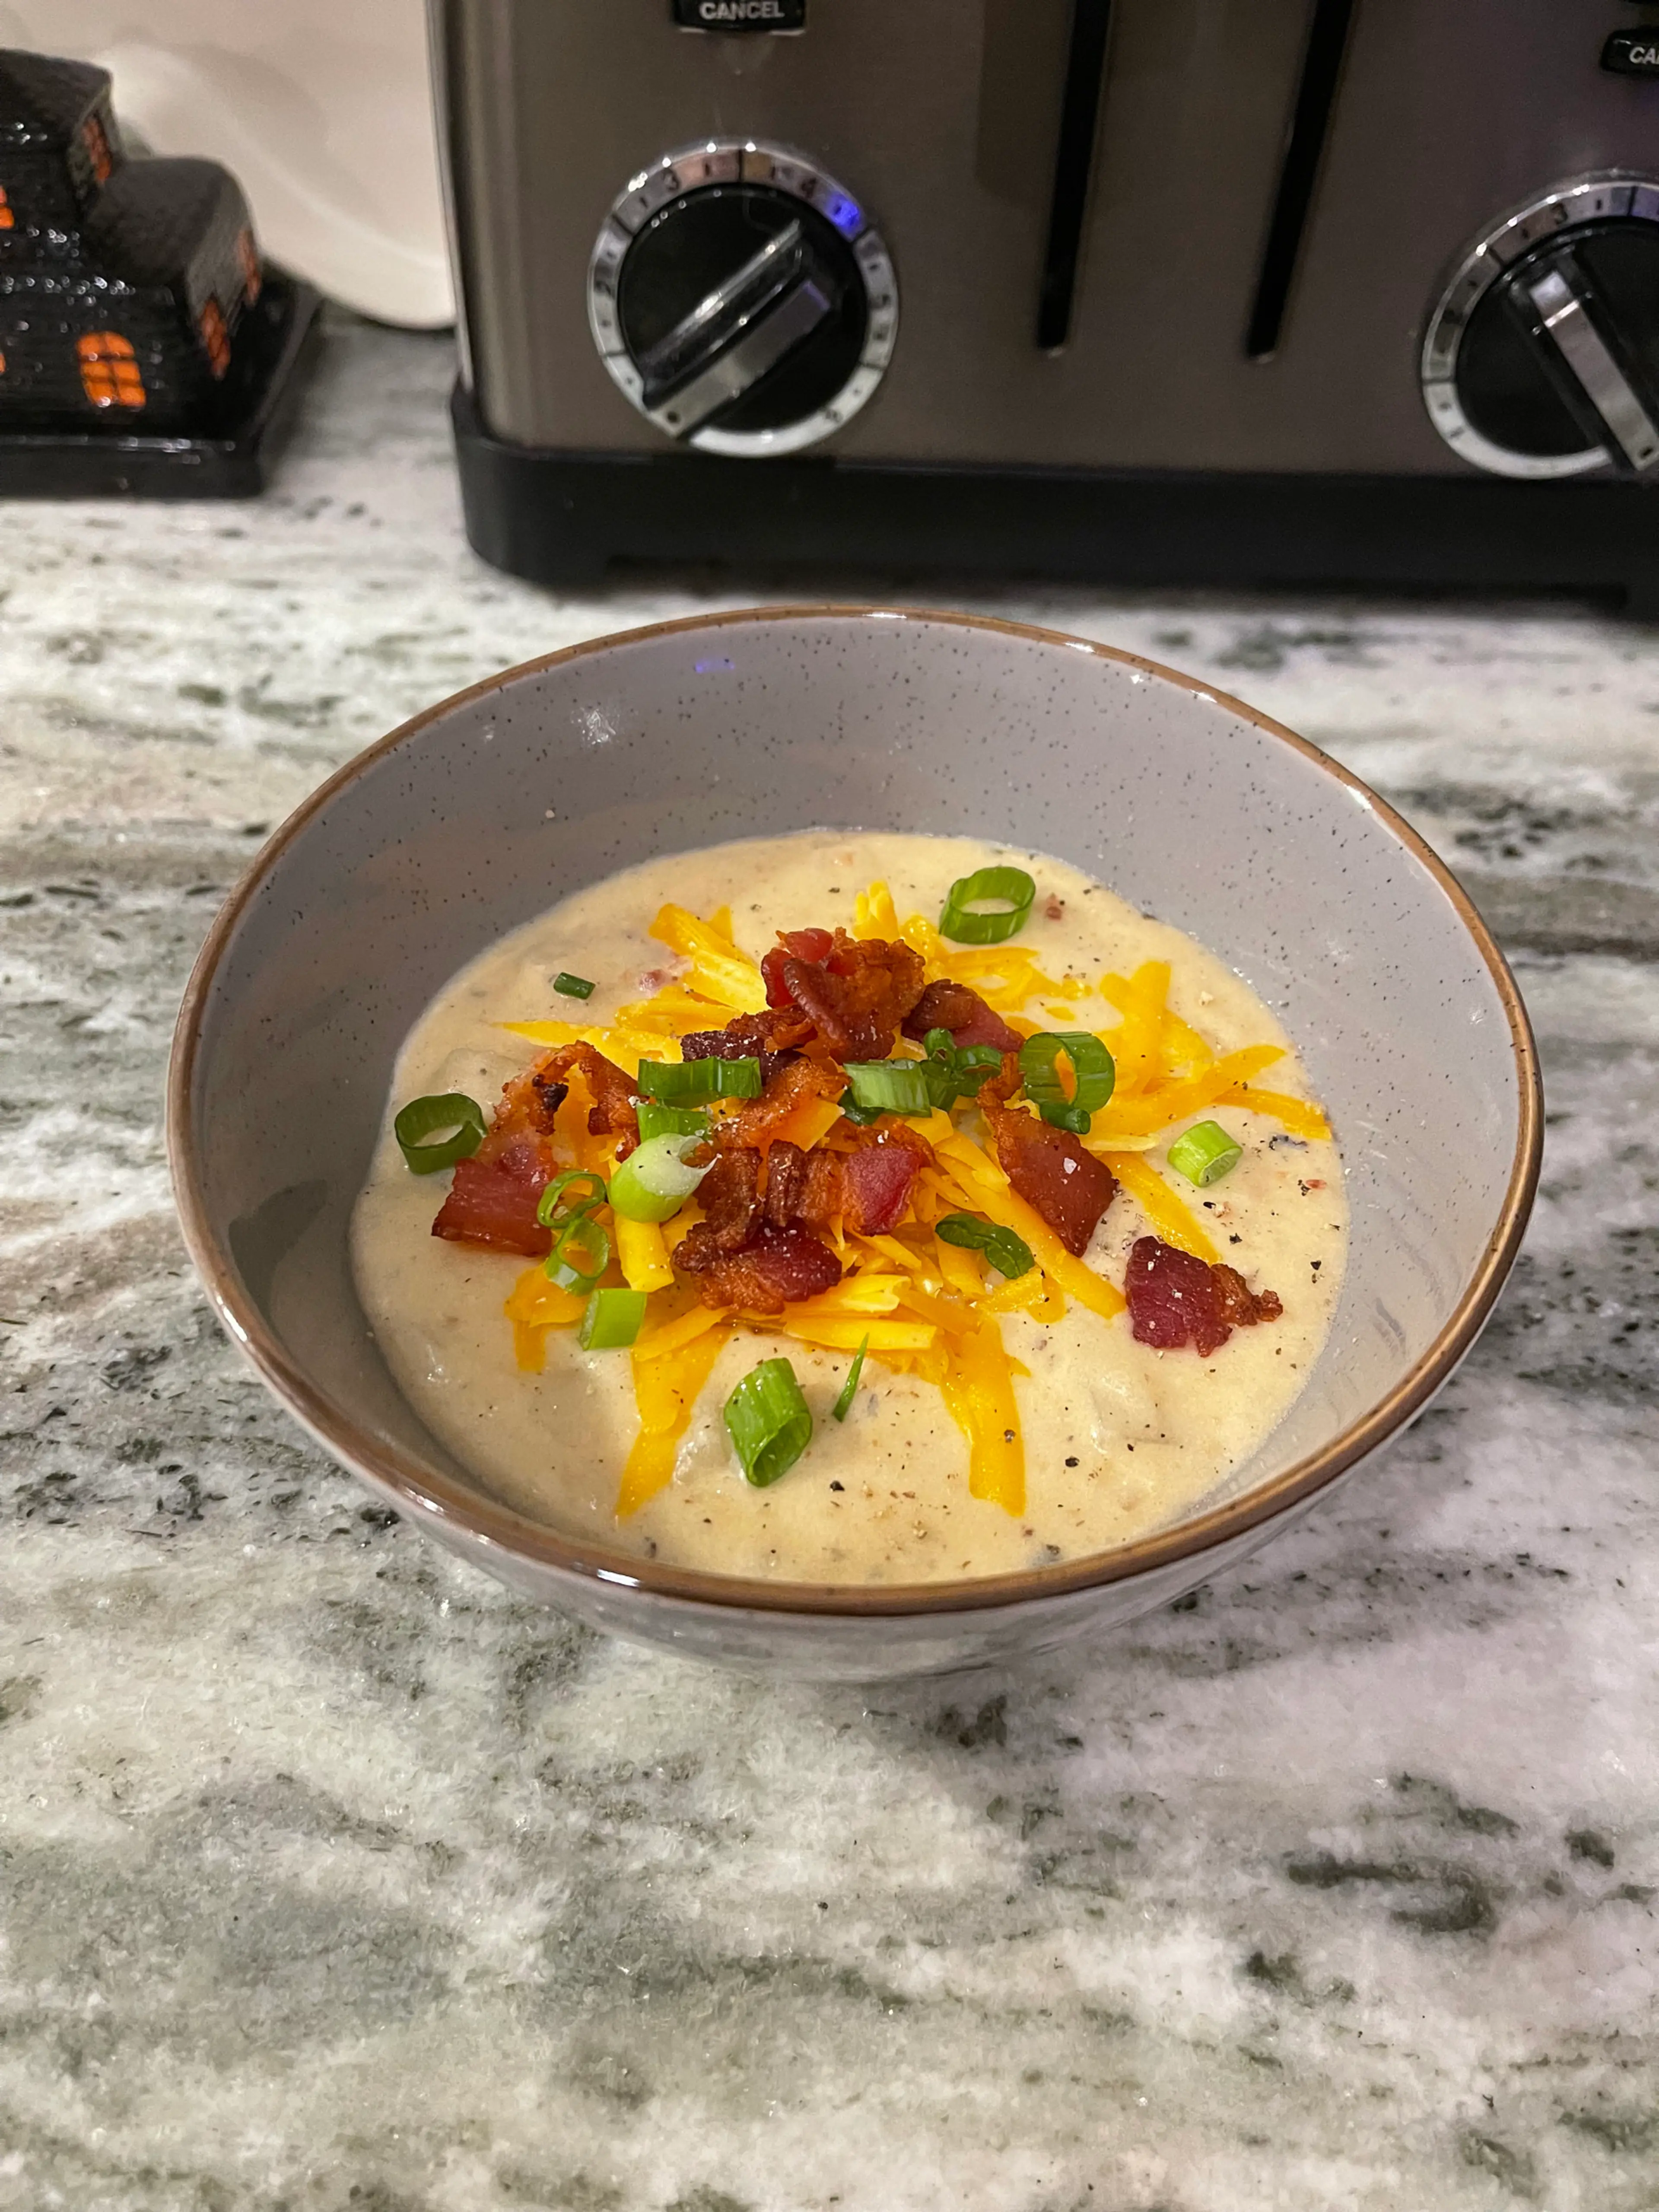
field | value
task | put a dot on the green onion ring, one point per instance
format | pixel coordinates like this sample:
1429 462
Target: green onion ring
654 1183
658 1121
553 1201
572 986
1009 1255
580 1239
891 1086
424 1118
977 1060
1205 1153
611 1319
964 926
1072 1119
1091 1064
676 1082
769 1421
859 1116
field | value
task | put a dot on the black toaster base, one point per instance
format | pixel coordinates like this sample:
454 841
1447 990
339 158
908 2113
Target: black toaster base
564 518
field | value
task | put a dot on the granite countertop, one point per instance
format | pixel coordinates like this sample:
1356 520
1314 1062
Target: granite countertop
334 1879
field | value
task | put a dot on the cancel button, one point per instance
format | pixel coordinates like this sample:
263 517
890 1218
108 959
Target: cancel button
1632 53
740 14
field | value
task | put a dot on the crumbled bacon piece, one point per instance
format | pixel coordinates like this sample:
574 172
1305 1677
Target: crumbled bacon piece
493 1196
1175 1298
612 1112
880 1176
765 1037
997 1089
820 1200
792 1084
1049 1169
812 945
779 1266
729 1196
550 1094
953 1006
1237 1305
876 1189
786 1182
493 1199
857 995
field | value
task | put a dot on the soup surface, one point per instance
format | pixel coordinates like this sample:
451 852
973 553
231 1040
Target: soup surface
998 1423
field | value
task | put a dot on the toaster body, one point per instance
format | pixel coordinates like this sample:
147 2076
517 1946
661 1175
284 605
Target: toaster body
1159 289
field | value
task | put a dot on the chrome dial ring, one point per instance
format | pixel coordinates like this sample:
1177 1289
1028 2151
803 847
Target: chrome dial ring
781 169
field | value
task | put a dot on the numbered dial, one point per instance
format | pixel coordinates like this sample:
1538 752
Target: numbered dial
1542 355
742 299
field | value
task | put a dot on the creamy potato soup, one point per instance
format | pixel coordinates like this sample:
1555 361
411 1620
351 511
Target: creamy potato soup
1049 1164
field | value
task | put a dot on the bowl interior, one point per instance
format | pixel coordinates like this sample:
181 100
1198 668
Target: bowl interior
486 812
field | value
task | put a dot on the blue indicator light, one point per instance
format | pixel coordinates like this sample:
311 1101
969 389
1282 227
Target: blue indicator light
847 214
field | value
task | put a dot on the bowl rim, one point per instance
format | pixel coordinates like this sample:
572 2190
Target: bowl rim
470 1519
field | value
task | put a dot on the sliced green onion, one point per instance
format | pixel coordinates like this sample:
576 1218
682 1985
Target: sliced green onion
1009 1255
611 1321
1205 1153
1070 1118
938 1044
420 1129
859 1116
769 1421
572 986
1091 1064
554 1203
891 1086
977 1060
581 1254
677 1081
657 1121
653 1183
849 1388
956 1073
1011 887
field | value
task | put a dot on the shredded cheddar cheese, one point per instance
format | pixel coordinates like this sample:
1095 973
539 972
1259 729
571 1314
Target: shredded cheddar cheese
643 1254
1172 1219
626 1046
666 1390
979 1389
1299 1117
719 970
533 1306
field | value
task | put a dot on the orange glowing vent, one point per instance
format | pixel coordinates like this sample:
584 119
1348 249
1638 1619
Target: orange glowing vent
215 337
248 254
97 146
109 373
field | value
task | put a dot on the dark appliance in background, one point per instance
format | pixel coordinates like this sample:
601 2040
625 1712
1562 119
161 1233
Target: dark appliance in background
1251 291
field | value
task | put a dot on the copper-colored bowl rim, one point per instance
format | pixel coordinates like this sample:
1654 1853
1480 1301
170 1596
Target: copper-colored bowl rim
471 1517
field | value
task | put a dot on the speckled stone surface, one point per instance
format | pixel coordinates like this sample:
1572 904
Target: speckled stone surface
334 1880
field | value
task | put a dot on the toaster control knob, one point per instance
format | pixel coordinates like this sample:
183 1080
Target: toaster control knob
742 299
1542 354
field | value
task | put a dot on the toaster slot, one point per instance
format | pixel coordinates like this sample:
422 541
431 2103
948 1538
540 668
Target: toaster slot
1074 157
1298 172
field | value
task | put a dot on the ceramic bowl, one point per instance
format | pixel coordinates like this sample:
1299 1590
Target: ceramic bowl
480 813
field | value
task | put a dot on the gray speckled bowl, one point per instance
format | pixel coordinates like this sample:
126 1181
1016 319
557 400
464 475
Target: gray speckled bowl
439 839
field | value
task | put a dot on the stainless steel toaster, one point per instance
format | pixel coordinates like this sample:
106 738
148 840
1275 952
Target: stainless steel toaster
1139 290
